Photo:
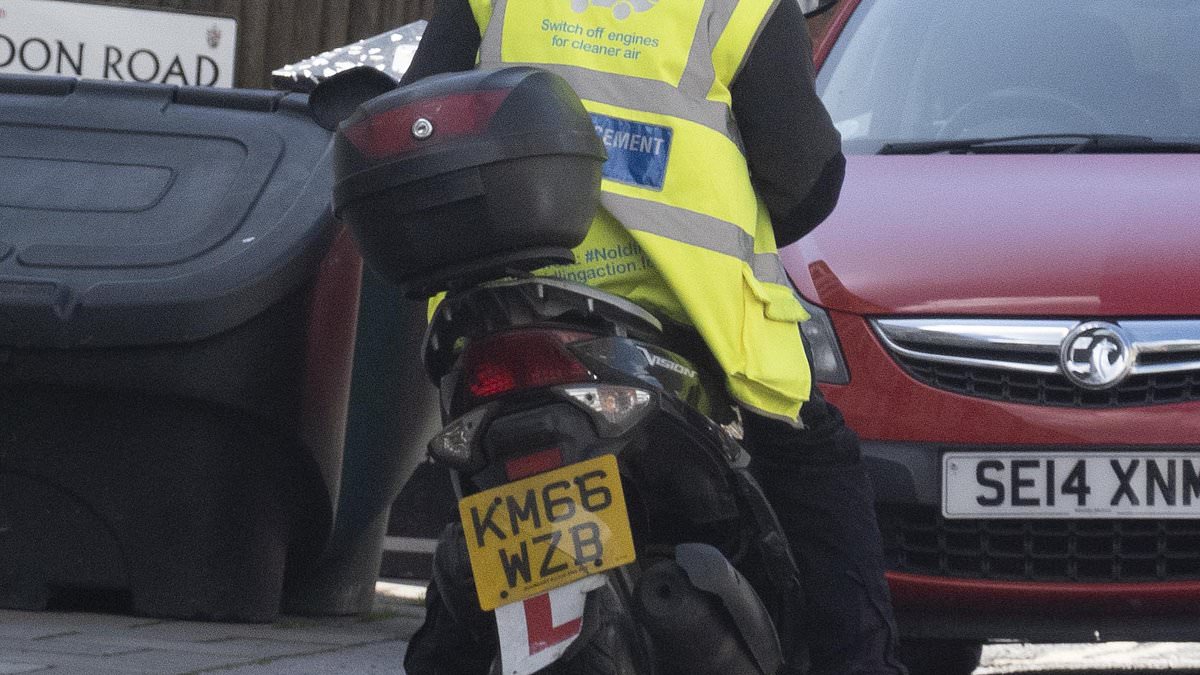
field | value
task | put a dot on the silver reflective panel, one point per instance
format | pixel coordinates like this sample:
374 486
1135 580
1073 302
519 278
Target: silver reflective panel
391 52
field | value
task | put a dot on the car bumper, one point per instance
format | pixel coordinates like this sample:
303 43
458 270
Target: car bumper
943 574
935 600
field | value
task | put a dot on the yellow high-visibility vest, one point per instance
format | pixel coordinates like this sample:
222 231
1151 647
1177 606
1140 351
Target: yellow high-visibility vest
681 230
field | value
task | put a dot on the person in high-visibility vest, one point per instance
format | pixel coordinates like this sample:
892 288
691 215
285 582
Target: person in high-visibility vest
719 151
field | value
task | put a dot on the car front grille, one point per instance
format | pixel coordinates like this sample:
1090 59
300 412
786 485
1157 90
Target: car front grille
1053 390
918 540
1023 361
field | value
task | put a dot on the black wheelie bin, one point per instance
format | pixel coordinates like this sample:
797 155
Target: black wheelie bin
177 328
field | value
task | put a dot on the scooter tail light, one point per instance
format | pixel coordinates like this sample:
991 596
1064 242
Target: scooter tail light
521 360
398 131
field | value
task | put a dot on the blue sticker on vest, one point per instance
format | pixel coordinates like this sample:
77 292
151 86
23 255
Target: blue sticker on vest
637 153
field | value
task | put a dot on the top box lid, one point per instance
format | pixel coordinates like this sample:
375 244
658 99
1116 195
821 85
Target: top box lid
135 214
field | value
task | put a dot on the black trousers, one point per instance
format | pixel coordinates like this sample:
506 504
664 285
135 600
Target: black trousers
815 479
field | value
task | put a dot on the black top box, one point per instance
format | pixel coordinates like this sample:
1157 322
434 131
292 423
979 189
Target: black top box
463 177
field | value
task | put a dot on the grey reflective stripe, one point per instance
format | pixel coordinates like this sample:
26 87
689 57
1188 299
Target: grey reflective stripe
489 48
696 229
699 74
796 422
650 96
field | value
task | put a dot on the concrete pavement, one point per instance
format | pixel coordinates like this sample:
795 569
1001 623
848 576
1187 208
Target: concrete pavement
98 644
79 643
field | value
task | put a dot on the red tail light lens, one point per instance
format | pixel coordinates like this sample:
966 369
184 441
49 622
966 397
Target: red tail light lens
390 133
519 360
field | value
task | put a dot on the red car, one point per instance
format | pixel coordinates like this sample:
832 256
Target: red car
1007 310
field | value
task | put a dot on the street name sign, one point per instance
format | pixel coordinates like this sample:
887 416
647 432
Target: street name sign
74 39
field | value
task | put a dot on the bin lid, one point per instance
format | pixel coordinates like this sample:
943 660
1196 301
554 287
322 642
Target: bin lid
138 214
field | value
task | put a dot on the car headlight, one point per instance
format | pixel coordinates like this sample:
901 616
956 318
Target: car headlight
829 366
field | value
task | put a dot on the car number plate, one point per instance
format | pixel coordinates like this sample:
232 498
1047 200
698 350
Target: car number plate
543 532
1071 485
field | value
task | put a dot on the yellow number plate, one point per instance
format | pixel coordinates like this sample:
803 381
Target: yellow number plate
543 532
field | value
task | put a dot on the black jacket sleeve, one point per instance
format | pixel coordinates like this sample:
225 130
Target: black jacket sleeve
794 151
449 44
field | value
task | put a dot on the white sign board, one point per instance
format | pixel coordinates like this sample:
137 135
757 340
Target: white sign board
49 37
